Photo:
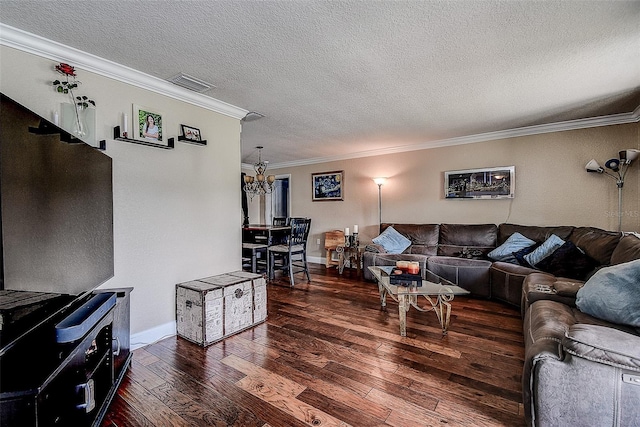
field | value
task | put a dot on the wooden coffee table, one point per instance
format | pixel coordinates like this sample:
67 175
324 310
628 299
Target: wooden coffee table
438 291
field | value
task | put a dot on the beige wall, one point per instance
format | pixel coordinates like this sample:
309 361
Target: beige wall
552 187
176 212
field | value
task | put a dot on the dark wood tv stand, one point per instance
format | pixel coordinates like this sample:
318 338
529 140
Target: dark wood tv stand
66 366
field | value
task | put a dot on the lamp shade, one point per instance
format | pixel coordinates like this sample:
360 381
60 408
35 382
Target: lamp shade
380 181
631 154
593 166
612 164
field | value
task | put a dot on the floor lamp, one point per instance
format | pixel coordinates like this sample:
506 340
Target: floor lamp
379 182
617 169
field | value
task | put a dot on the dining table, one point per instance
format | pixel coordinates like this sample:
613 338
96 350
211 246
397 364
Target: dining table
264 233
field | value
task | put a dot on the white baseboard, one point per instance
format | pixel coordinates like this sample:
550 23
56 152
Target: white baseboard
316 260
152 335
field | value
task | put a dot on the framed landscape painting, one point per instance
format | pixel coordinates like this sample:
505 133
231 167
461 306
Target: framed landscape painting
327 186
485 183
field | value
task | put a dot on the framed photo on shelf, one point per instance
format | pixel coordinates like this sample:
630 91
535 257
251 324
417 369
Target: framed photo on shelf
327 186
147 124
485 183
191 134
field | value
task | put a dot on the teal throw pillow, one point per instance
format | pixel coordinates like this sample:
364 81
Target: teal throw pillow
544 250
392 241
613 294
514 243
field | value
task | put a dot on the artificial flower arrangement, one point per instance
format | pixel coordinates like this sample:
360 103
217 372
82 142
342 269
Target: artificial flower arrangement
66 87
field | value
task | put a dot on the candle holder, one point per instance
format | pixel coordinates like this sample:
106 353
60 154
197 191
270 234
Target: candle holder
355 241
347 241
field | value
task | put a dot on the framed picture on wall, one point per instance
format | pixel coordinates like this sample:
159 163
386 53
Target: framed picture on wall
147 124
190 133
327 186
485 183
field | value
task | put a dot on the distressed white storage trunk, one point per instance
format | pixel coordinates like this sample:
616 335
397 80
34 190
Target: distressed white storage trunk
212 308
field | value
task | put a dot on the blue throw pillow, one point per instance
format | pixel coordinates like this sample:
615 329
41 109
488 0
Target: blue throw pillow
392 241
613 294
514 243
544 250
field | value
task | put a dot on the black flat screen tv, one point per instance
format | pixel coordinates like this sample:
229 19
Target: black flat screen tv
56 207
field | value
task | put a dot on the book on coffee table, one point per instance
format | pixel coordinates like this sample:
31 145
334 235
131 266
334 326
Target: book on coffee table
403 278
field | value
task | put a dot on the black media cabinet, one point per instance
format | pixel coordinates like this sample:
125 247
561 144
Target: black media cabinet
62 357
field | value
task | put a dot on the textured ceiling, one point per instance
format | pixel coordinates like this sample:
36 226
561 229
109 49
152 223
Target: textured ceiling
343 77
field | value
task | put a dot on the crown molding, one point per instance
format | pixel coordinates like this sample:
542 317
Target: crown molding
614 119
36 45
40 46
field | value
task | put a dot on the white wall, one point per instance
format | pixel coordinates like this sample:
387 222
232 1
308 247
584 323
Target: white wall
177 213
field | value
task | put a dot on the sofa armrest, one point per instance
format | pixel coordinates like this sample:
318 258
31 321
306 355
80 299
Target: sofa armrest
543 286
566 288
603 345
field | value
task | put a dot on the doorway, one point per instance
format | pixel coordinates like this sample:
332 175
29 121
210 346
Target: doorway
279 204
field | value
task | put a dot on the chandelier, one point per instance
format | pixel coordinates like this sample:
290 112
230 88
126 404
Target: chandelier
260 184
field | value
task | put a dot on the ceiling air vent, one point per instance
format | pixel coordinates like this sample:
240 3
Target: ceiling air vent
252 115
191 83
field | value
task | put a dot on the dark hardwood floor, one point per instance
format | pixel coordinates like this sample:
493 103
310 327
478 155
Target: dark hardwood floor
329 356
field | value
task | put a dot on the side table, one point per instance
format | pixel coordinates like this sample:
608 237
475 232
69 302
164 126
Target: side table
350 254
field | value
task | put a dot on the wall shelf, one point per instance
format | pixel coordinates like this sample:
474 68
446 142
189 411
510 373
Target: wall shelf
47 128
170 142
191 141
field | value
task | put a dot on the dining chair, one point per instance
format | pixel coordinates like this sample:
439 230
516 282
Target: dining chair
292 255
254 257
280 221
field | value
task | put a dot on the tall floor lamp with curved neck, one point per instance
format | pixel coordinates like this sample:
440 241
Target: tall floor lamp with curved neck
616 169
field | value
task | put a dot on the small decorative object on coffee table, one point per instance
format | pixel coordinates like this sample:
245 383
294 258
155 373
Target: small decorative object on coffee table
437 291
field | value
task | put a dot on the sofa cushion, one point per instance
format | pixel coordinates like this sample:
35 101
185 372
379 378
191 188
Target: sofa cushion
568 261
458 238
470 274
598 244
539 234
514 243
613 294
424 237
392 241
627 250
544 250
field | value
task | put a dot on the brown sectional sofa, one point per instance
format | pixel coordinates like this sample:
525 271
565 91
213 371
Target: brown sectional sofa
439 248
453 251
578 369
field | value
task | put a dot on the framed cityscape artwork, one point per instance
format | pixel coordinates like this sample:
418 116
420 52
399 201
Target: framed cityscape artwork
485 183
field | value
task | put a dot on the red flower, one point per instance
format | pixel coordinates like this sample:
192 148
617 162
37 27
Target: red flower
66 69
